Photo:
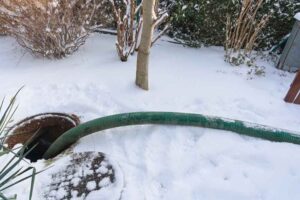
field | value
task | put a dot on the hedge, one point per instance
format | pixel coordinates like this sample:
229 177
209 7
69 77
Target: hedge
202 22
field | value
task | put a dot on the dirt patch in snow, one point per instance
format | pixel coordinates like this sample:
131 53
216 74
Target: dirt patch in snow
85 172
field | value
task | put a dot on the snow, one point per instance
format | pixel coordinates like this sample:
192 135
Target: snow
102 170
297 16
75 181
104 182
91 185
163 162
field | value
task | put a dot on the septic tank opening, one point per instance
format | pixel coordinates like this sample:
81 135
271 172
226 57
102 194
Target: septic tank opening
39 132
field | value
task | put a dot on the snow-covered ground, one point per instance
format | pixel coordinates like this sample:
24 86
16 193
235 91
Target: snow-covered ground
162 162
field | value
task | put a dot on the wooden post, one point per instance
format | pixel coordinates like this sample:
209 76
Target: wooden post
293 95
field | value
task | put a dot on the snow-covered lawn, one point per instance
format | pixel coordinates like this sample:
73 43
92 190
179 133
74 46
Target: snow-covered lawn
162 162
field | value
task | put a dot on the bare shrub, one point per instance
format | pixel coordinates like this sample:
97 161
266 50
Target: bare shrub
242 33
129 24
51 28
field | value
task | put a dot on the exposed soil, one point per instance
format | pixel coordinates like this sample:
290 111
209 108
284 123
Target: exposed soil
74 179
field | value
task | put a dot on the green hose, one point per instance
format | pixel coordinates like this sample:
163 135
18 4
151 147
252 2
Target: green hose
168 118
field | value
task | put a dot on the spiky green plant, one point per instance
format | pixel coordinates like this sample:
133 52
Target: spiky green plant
6 115
11 173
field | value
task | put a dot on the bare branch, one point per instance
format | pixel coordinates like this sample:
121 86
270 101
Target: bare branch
160 20
160 34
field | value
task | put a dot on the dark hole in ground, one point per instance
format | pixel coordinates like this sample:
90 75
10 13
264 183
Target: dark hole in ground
40 145
40 131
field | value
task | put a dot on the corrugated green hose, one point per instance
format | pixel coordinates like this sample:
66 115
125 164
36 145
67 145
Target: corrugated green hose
169 118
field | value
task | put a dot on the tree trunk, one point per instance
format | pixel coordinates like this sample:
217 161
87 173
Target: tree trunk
145 44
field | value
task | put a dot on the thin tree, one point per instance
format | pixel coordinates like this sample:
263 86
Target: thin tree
149 19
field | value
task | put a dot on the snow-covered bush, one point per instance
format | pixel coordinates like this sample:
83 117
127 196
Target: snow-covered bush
2 29
128 27
199 22
281 21
51 28
104 17
202 22
129 23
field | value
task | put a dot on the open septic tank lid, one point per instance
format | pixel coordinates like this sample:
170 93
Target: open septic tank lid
290 58
39 132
